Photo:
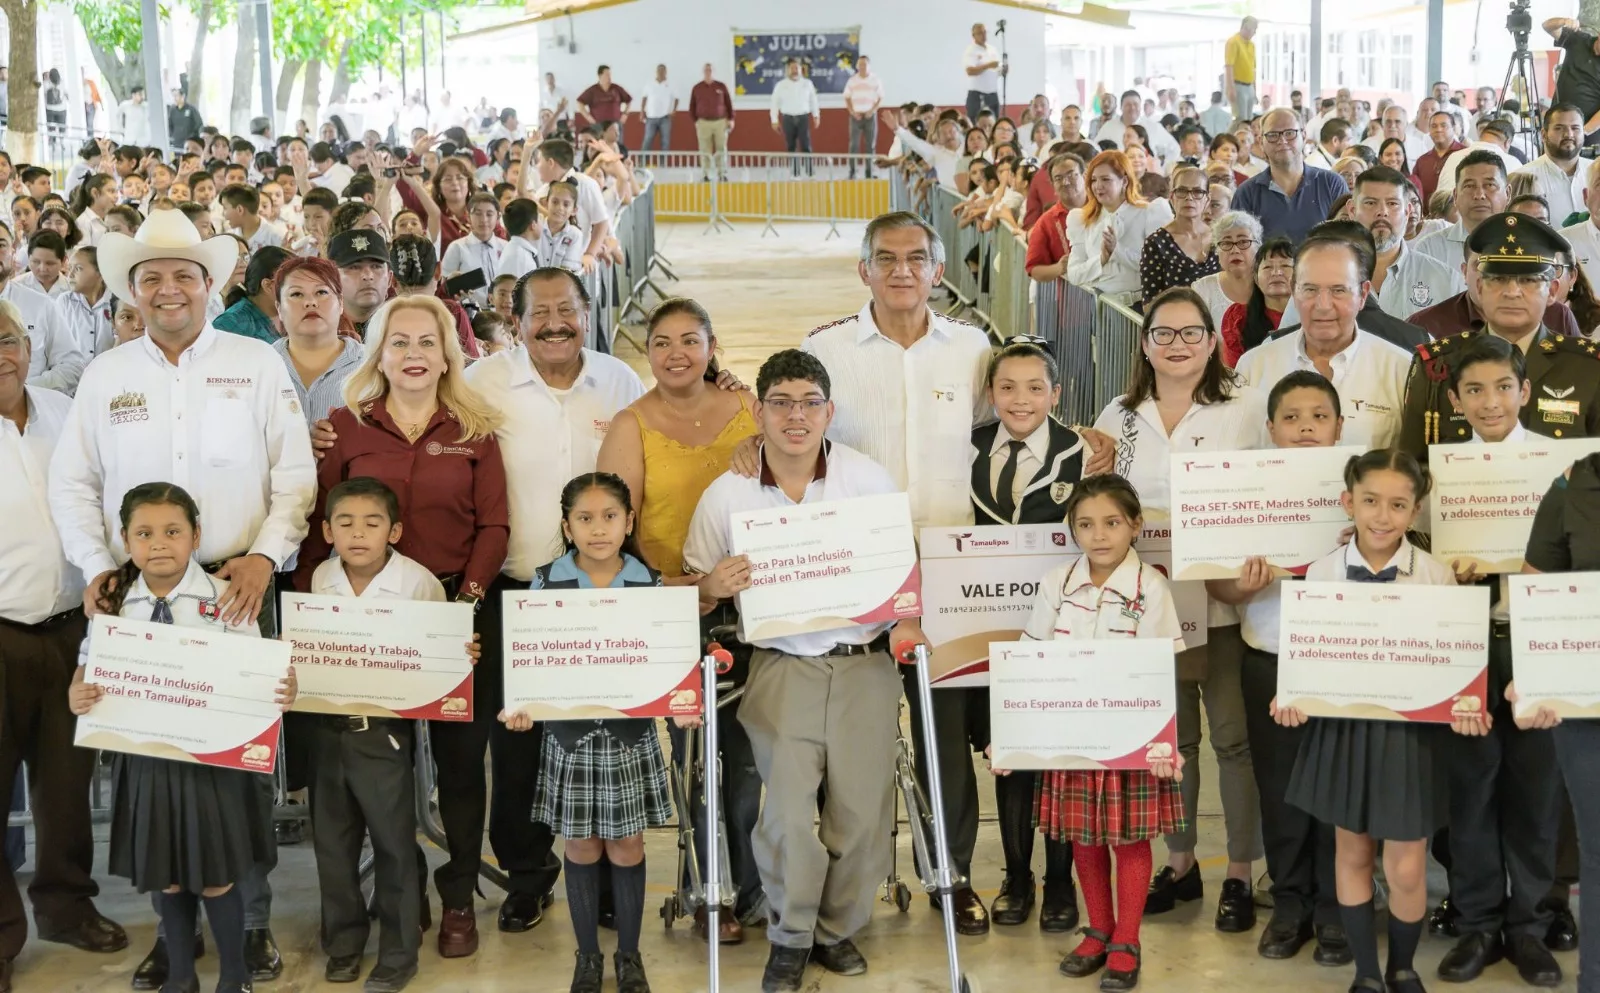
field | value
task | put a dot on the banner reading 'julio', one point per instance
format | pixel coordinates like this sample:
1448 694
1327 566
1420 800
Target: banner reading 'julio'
827 57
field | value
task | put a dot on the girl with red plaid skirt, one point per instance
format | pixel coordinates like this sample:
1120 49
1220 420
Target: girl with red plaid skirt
1108 593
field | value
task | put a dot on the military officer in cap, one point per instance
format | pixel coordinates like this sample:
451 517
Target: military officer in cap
1516 259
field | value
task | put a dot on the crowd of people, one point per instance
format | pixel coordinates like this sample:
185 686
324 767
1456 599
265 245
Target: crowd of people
380 350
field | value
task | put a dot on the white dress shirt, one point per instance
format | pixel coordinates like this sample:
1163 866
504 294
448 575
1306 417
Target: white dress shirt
1217 302
197 588
1416 143
1030 459
943 160
268 235
57 361
550 98
592 208
88 323
1501 611
134 122
657 100
1162 145
1259 618
1413 281
846 473
1447 245
519 257
224 424
1134 602
987 81
336 178
1133 224
1369 376
1585 240
401 578
62 288
469 253
1563 192
36 580
562 249
911 410
794 98
92 226
863 93
1411 564
547 437
1447 175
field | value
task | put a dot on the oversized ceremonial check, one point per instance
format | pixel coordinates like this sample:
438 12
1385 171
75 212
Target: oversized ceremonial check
380 658
1105 703
1279 503
598 653
978 587
1555 638
1485 496
184 694
821 566
1384 651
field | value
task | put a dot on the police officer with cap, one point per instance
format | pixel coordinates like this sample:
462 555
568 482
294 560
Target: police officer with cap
1517 259
364 275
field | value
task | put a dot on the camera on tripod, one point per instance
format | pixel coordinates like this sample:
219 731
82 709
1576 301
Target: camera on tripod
1520 23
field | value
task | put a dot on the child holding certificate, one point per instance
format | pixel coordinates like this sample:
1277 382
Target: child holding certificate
361 769
1023 469
1377 780
1302 411
1108 593
1504 787
601 782
185 830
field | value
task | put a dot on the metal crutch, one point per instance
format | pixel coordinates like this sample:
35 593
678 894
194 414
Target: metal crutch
717 660
944 880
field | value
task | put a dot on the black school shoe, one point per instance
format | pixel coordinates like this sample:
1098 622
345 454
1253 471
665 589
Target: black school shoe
1283 939
1168 888
389 979
842 958
1534 963
1442 923
1014 905
1333 947
786 968
342 968
152 972
1563 933
1236 908
1119 980
261 955
1058 914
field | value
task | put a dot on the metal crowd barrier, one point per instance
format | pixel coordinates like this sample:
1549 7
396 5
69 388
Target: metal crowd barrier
767 187
1095 340
617 291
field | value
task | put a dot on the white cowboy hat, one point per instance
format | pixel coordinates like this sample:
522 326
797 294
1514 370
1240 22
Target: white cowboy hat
165 234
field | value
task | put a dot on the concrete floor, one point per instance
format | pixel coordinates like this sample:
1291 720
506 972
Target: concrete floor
764 294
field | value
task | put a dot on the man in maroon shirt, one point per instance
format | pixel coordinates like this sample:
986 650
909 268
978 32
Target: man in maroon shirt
711 109
604 102
1442 129
1461 312
1047 240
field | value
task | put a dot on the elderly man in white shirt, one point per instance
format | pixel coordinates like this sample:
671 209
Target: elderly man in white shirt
795 110
909 385
212 412
57 359
982 68
1368 372
553 98
41 626
1556 174
1395 125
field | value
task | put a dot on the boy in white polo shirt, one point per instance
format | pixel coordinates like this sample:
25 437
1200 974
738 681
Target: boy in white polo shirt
816 705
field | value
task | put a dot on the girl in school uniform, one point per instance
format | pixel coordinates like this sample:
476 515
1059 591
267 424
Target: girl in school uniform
1108 593
180 828
1378 781
602 782
1023 469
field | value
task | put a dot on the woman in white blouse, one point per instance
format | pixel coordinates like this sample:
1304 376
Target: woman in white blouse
1107 233
1235 235
1182 398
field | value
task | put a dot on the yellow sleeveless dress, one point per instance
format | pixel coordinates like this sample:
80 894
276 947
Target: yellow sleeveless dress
675 475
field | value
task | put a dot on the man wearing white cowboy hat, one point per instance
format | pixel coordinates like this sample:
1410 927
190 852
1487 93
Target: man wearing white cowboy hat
210 411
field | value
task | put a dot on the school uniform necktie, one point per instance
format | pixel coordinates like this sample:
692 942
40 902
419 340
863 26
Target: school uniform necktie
162 613
1004 499
1361 574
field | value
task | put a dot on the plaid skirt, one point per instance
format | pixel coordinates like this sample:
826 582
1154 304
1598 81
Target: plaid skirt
1106 807
605 787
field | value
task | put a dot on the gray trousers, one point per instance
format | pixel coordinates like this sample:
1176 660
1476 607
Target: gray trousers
1243 99
827 721
362 782
863 133
1578 754
1230 740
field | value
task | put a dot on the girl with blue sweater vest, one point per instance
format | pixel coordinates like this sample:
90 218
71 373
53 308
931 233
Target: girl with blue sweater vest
601 782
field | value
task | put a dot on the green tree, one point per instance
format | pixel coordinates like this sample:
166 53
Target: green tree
22 131
115 38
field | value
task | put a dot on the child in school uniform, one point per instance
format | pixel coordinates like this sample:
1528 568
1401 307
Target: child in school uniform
561 241
1107 592
361 767
1302 411
1378 781
1505 792
184 830
1023 469
601 782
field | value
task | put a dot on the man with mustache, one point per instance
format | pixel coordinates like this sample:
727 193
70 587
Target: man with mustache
1556 175
364 276
1405 281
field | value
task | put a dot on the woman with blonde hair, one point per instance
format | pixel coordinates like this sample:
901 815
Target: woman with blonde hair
1108 232
413 422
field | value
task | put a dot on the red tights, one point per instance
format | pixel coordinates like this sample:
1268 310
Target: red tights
1094 879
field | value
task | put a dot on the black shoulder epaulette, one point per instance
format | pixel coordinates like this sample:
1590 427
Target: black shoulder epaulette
832 324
